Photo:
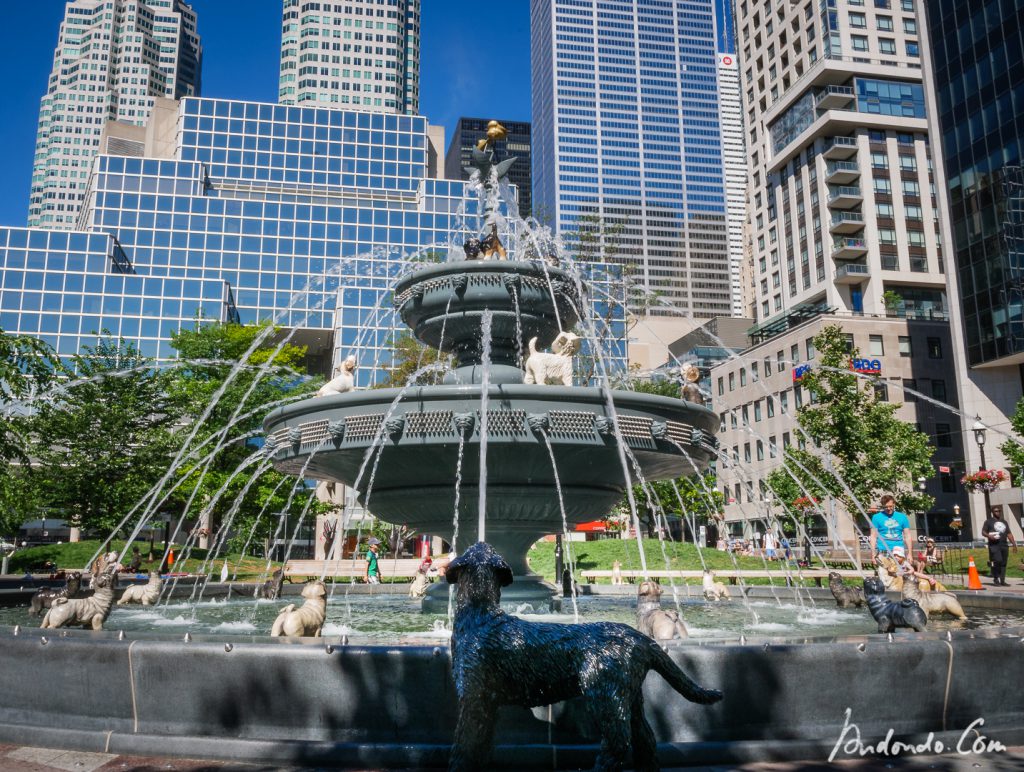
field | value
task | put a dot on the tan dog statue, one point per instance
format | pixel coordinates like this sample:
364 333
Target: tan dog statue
713 590
85 612
147 594
344 379
554 367
652 619
934 602
617 572
308 619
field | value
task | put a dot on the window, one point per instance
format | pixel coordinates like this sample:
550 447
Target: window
906 349
809 345
860 42
883 185
794 353
948 483
753 372
743 376
943 438
746 452
887 235
909 383
879 161
935 348
757 410
939 389
798 395
886 46
876 346
848 338
745 415
913 212
858 20
910 26
884 23
784 401
767 366
780 360
760 450
881 3
884 210
773 448
732 381
907 5
786 442
913 49
721 386
911 188
881 392
771 406
908 163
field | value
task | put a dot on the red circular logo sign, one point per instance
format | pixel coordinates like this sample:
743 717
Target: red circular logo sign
726 60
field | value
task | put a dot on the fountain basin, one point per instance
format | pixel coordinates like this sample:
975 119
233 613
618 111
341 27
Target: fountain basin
320 702
331 438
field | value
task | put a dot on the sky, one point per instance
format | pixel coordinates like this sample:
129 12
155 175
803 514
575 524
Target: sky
474 61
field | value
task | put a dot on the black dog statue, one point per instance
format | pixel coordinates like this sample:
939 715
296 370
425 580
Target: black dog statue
271 588
498 659
890 614
845 596
45 596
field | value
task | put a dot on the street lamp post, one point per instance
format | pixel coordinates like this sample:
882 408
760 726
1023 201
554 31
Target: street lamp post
979 437
956 519
922 485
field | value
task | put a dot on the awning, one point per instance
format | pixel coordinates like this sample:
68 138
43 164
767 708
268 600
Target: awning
593 526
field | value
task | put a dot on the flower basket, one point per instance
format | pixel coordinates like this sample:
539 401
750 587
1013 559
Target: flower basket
983 480
804 503
956 523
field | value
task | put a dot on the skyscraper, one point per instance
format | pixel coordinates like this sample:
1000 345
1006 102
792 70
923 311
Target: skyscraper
113 57
517 144
734 162
977 95
626 129
360 54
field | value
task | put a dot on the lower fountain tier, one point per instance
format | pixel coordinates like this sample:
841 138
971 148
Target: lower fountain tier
409 450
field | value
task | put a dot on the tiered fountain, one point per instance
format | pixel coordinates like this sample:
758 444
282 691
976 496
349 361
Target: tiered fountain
539 449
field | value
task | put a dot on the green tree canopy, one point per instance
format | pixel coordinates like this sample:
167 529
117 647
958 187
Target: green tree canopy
854 437
407 356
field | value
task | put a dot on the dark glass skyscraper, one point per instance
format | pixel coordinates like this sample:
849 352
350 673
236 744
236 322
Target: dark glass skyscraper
517 144
978 55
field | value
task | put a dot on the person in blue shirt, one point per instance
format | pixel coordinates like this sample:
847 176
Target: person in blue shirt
889 529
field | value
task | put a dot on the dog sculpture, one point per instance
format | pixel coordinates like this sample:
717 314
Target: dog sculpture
45 596
498 659
713 590
420 582
87 612
308 619
889 572
147 594
271 589
343 381
845 596
890 615
934 602
556 366
616 572
652 619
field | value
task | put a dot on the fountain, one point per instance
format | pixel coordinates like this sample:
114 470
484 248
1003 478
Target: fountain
483 313
487 456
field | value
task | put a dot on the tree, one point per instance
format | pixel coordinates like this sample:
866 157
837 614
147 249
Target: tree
1012 449
407 356
106 441
857 438
27 366
253 372
688 497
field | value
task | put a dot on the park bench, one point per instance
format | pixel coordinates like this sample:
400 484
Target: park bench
819 575
351 569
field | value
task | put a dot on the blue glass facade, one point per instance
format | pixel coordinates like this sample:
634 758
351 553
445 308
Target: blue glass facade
295 214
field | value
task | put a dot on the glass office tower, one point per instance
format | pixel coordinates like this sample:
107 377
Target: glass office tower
626 129
297 214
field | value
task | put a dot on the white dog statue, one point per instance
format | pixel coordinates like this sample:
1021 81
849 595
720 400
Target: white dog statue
146 594
652 619
714 590
308 619
344 379
85 612
554 367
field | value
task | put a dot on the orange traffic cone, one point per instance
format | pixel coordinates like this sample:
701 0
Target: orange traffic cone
170 563
973 580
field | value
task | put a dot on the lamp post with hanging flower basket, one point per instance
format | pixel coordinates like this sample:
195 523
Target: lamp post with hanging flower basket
984 480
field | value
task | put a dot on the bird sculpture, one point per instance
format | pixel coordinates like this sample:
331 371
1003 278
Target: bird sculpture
495 131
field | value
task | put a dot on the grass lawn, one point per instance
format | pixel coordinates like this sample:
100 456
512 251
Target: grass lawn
76 555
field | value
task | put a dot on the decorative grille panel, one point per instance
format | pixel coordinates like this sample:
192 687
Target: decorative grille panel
678 432
506 422
435 423
636 431
362 427
314 433
573 424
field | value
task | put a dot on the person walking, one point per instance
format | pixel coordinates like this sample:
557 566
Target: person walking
372 555
998 535
889 529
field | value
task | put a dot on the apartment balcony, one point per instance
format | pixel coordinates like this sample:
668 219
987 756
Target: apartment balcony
834 98
840 148
851 273
844 197
846 222
848 249
842 172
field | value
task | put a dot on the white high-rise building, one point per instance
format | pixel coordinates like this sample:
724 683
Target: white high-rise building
734 162
626 131
113 58
360 54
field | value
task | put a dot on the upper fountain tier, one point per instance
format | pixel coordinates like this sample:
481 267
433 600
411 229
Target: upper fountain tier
445 305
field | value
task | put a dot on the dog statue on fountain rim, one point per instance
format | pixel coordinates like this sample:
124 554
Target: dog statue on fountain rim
845 596
934 602
308 619
651 619
498 659
147 594
554 367
84 612
343 380
713 590
891 615
45 596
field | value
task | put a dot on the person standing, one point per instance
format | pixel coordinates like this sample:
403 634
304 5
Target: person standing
769 546
998 535
372 566
889 529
